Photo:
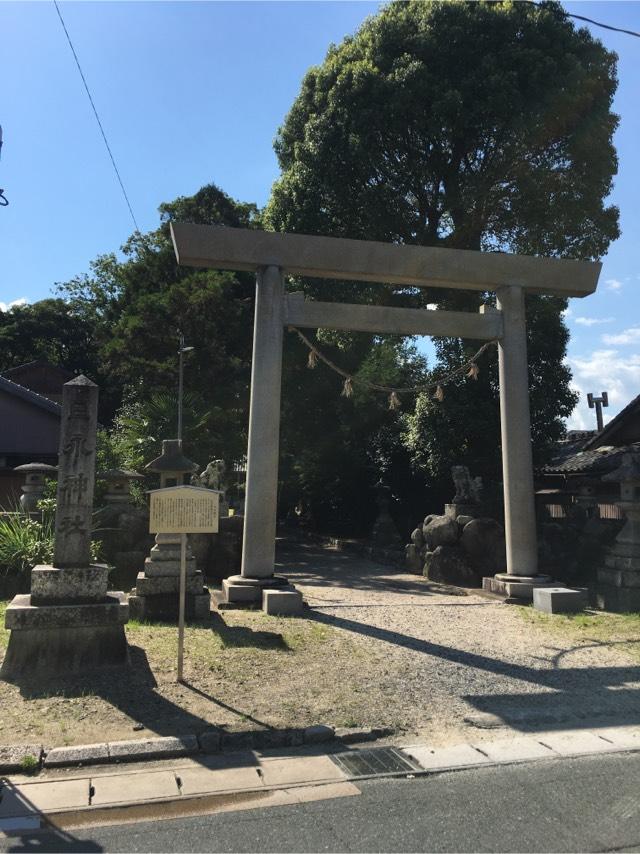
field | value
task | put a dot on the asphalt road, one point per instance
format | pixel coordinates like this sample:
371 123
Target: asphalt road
585 804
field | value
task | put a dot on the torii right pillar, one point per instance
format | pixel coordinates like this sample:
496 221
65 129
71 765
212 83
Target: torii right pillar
517 461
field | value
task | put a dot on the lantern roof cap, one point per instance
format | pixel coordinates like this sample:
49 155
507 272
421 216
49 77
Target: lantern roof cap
33 467
119 474
171 459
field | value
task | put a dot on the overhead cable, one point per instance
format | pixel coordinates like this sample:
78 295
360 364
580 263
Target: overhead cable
95 112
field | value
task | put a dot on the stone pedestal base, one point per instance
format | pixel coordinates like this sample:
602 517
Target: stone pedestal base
157 592
238 591
516 587
51 640
283 602
164 604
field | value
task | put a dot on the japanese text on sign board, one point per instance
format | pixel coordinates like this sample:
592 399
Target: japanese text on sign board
176 512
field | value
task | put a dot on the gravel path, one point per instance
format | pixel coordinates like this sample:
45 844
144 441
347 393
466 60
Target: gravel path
440 662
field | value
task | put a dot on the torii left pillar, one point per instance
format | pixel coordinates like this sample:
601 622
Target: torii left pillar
258 553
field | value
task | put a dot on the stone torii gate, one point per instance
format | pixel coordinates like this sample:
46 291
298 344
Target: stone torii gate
273 255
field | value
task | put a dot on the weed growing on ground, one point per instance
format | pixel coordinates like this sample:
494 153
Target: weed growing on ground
623 630
29 764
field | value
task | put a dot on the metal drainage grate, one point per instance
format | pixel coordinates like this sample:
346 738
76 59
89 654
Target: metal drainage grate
380 760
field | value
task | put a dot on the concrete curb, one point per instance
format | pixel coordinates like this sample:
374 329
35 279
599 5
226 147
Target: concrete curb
183 789
13 758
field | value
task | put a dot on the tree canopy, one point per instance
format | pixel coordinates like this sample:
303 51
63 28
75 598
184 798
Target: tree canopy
476 125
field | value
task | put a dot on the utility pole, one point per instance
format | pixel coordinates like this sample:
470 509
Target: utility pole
598 403
181 351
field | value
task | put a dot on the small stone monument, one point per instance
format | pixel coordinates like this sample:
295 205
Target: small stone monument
384 532
157 588
214 477
69 622
619 579
34 482
468 498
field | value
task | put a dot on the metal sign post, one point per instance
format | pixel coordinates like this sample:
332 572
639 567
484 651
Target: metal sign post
183 596
183 510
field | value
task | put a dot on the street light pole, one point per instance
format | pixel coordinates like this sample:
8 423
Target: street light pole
181 351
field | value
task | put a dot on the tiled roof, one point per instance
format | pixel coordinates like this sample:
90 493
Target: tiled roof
30 396
596 462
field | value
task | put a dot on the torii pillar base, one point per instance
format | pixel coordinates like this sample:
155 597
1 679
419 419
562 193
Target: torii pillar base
516 588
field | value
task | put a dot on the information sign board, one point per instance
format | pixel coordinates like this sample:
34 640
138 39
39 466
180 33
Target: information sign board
184 510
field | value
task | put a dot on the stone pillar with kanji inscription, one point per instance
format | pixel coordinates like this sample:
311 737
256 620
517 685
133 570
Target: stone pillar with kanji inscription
69 622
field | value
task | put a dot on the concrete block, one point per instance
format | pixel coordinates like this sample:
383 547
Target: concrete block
559 600
12 756
78 754
153 748
210 741
292 771
158 584
129 788
356 735
52 651
515 749
241 592
282 603
440 758
167 567
22 614
625 737
237 740
318 733
51 585
202 606
269 738
202 781
45 797
575 743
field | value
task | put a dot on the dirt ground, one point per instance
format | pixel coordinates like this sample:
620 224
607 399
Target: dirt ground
377 647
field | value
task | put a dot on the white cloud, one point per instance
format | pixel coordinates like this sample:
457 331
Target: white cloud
603 370
592 321
628 336
7 306
613 284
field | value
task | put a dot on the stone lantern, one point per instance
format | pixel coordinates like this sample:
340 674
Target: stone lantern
33 487
118 485
619 580
158 587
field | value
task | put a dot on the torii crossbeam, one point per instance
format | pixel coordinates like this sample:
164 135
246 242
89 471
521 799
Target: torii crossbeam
273 255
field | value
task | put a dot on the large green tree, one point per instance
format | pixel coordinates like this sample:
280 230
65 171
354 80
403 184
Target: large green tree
138 304
476 125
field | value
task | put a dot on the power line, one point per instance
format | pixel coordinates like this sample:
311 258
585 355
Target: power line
95 112
588 20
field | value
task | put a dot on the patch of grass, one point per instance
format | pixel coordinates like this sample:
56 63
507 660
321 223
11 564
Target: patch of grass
29 764
4 634
604 627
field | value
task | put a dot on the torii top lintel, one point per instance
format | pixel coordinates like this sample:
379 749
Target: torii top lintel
366 260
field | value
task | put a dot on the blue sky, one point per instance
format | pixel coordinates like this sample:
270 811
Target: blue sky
191 93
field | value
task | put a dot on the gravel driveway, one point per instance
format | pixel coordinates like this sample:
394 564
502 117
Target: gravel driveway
441 663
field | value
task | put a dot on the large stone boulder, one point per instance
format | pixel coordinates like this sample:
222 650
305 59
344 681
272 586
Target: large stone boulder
450 565
417 538
441 531
484 544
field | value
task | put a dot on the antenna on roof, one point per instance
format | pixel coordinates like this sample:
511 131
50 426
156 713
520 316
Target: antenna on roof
598 403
